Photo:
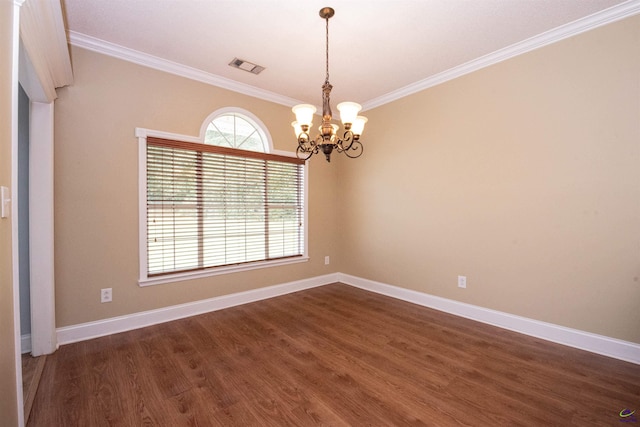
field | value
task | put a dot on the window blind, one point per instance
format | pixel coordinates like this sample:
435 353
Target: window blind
211 206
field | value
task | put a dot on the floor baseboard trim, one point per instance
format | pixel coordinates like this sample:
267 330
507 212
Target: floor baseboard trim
594 343
611 347
86 331
25 343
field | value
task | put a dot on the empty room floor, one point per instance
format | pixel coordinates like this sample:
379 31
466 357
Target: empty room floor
332 355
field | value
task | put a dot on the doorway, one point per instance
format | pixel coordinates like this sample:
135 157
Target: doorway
23 221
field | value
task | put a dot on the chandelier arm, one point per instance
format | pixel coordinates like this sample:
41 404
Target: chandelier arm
307 145
356 147
301 153
347 139
303 141
318 141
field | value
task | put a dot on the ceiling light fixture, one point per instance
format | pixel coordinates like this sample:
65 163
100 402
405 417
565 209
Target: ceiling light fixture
328 140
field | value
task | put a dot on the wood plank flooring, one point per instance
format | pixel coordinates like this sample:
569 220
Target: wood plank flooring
32 368
333 355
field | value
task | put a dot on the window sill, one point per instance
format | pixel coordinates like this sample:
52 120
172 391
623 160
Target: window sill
169 278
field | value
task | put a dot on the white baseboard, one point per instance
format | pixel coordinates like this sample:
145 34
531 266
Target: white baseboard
85 331
25 343
594 343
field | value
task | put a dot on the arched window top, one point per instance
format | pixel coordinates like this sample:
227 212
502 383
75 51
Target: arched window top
236 128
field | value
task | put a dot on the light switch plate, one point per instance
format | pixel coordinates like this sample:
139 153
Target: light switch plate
5 202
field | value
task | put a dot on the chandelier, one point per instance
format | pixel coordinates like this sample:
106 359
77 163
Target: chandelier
328 139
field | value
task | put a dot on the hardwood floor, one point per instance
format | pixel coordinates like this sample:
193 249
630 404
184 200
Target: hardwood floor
32 368
333 355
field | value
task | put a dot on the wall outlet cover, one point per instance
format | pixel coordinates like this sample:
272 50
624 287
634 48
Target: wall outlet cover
462 281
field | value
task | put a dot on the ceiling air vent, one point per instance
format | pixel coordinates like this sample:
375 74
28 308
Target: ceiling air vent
246 66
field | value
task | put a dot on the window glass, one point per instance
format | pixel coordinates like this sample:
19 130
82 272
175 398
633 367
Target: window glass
234 131
212 208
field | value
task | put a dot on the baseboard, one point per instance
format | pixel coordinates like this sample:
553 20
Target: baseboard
85 331
25 343
594 343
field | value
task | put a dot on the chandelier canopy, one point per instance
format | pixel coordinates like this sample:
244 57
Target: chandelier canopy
328 139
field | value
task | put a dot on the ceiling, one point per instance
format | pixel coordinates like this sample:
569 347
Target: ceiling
377 48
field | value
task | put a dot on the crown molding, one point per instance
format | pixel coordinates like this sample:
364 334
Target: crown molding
96 45
607 16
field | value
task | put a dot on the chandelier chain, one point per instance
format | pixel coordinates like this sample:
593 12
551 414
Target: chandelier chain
327 49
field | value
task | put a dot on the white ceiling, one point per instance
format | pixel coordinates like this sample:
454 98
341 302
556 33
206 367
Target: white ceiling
377 47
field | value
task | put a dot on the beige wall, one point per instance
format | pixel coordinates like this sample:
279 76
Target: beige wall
96 187
523 176
8 121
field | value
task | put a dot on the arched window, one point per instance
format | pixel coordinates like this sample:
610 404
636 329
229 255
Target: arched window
235 130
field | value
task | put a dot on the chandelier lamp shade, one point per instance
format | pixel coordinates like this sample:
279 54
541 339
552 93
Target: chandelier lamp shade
328 139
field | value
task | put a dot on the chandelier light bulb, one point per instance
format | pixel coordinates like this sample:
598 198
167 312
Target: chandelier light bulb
304 114
348 112
296 128
358 125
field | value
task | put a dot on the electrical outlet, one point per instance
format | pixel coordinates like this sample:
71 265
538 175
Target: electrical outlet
326 260
462 281
106 295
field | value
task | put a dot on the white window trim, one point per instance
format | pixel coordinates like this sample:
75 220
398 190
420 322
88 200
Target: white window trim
144 279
